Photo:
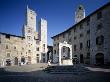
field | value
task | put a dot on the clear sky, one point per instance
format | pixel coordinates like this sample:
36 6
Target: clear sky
58 13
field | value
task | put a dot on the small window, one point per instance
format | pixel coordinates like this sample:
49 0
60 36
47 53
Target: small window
54 51
81 26
75 29
14 47
29 37
69 33
81 46
38 49
29 51
81 35
7 36
74 47
6 46
100 40
69 40
43 55
63 35
88 56
22 48
29 31
99 15
8 54
54 44
88 31
88 21
44 47
37 54
88 43
99 26
75 38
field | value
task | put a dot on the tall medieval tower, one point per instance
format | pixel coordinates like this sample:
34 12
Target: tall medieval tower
43 38
29 34
79 14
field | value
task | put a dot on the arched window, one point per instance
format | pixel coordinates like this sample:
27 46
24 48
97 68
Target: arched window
100 40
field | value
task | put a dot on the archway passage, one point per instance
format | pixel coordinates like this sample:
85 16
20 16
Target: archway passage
99 58
16 61
81 58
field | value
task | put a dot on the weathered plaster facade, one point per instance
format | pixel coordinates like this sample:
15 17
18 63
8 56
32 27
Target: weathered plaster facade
90 38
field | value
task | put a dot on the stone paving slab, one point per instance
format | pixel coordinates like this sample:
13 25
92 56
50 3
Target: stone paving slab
40 76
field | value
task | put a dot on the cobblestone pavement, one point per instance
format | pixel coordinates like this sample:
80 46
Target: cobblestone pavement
34 73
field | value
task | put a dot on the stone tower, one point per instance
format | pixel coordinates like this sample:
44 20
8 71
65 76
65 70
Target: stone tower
43 38
29 31
79 14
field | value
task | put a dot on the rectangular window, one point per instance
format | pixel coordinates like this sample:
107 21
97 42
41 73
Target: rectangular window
29 37
69 33
74 47
99 15
81 46
8 54
88 56
81 26
74 29
99 26
37 54
54 51
44 47
88 21
37 49
43 55
6 46
81 35
63 35
88 31
75 38
69 40
88 43
54 44
29 51
7 36
14 47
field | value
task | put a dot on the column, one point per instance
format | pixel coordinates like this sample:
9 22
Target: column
60 53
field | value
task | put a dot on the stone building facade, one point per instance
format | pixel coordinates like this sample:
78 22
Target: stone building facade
30 48
90 37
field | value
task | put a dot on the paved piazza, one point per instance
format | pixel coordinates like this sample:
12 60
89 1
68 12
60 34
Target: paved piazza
34 73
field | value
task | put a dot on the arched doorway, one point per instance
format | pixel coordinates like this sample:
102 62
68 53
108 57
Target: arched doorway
22 60
16 61
99 58
81 58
